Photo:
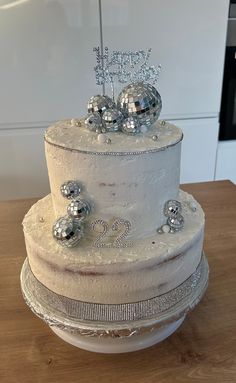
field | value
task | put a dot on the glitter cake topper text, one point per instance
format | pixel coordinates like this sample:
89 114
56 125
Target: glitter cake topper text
124 67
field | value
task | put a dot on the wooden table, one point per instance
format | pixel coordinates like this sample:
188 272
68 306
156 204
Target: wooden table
202 350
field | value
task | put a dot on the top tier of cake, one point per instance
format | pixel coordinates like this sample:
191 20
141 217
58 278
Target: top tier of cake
126 177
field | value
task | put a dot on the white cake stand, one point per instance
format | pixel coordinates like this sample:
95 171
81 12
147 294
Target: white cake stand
119 345
114 328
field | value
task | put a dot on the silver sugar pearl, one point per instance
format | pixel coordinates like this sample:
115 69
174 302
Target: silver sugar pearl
93 121
99 104
112 119
172 208
108 141
143 129
70 189
155 137
67 231
131 126
163 122
193 206
41 219
78 209
176 222
142 100
102 138
75 121
165 228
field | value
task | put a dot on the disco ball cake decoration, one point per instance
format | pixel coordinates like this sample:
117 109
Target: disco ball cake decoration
138 104
140 100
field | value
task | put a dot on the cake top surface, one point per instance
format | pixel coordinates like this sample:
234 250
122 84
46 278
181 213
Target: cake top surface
76 137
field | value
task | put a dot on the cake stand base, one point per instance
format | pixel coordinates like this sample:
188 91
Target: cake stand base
108 345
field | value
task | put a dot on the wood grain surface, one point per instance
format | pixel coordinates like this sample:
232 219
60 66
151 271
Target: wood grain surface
202 350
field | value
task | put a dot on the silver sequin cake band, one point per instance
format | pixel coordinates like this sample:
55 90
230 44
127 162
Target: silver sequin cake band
103 319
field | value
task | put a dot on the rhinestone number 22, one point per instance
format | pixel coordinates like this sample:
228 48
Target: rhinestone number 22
122 226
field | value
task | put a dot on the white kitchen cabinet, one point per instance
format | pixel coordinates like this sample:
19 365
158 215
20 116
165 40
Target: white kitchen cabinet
47 59
186 36
199 149
226 161
23 171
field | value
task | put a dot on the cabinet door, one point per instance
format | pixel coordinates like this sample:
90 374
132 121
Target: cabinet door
186 36
226 161
199 148
47 59
23 171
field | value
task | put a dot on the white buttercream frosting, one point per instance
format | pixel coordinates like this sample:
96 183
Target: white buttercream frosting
150 267
131 178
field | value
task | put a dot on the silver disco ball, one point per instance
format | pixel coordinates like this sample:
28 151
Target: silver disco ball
70 189
176 223
112 119
131 126
142 100
172 208
93 121
99 104
78 209
67 231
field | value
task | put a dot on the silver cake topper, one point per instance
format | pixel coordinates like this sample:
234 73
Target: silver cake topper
124 67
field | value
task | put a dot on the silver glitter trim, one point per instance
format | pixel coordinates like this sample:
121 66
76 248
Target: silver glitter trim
135 153
91 319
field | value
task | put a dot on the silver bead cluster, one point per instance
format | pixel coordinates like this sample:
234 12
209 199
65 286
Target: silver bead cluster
175 221
68 230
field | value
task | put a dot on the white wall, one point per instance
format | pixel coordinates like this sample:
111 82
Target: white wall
47 74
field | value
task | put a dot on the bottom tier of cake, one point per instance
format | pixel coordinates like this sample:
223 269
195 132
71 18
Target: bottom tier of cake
118 327
149 268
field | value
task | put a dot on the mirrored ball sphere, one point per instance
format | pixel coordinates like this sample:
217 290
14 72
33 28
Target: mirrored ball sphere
142 100
131 126
176 222
67 231
112 119
172 208
70 189
93 121
78 209
99 104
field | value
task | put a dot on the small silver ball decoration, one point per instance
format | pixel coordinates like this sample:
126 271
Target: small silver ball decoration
112 119
172 208
176 223
131 126
93 121
154 137
99 104
142 100
78 209
70 189
67 231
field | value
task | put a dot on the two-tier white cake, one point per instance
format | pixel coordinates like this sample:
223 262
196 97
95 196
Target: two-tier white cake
115 252
128 254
